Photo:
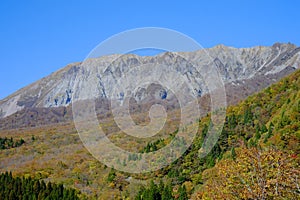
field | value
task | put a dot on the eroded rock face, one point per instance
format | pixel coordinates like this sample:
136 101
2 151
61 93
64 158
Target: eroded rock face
236 66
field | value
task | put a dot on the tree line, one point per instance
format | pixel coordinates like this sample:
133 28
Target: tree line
21 188
8 143
161 191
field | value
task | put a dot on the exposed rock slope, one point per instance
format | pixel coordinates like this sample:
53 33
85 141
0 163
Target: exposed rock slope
248 68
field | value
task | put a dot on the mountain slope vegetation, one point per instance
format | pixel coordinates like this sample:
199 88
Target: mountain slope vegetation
263 130
264 126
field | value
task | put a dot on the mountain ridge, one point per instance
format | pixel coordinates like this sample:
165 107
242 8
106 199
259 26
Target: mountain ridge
234 64
267 119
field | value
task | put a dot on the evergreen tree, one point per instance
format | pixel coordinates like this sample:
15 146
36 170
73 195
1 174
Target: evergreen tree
233 153
30 189
111 175
182 193
167 193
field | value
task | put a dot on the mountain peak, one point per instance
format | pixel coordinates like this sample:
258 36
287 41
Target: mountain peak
234 64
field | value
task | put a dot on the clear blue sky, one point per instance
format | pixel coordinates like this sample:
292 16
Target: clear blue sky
39 37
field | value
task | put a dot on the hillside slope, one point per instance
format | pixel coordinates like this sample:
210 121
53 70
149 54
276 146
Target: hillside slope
270 118
264 129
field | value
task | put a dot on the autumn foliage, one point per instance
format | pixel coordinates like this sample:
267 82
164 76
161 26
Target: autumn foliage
254 174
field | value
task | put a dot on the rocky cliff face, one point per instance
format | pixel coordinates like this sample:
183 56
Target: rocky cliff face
237 66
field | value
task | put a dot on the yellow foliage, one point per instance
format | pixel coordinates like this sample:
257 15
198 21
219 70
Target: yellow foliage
255 174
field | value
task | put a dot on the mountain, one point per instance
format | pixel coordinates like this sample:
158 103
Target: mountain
243 70
265 126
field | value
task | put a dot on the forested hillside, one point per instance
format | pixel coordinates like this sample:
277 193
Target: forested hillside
16 188
256 157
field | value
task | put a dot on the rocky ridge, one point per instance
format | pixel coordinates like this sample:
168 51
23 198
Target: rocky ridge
247 68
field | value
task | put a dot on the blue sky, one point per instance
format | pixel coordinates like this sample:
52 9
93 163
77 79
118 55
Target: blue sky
39 37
